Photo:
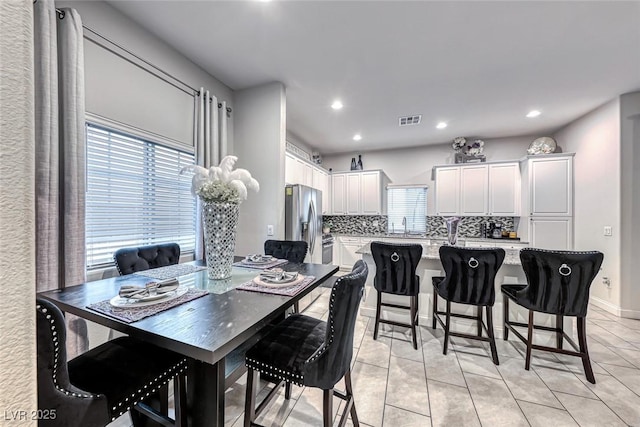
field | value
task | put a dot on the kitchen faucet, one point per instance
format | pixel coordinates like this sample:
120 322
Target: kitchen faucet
404 222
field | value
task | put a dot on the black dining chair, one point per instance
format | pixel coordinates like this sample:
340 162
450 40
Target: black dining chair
558 283
103 383
469 279
291 250
396 266
131 260
310 352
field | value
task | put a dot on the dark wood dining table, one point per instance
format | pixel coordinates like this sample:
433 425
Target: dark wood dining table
212 331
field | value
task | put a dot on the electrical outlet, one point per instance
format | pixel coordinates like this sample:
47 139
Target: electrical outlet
608 231
269 230
606 282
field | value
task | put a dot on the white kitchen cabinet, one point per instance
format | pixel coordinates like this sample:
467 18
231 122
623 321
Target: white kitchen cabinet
551 233
359 193
347 256
550 185
290 164
353 194
447 196
478 189
306 173
504 189
339 193
474 190
320 180
371 193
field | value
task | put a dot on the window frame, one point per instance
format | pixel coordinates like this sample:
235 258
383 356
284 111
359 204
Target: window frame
398 228
148 145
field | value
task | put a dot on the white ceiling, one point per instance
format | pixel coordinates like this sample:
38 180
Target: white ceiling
480 66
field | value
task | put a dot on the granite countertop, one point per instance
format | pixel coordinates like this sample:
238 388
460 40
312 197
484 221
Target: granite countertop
431 251
424 237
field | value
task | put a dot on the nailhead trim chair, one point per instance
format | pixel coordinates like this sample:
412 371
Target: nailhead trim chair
469 279
310 352
291 250
558 283
396 266
98 386
131 260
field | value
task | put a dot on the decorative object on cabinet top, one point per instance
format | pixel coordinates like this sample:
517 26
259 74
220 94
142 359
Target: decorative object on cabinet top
468 152
299 152
542 145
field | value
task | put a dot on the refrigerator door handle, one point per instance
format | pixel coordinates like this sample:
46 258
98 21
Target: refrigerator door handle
314 228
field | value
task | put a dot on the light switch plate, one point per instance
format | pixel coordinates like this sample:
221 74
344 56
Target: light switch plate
608 230
269 230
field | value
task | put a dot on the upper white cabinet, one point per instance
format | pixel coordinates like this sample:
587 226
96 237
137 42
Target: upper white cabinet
321 181
504 189
299 171
359 193
447 190
478 189
474 190
339 194
550 185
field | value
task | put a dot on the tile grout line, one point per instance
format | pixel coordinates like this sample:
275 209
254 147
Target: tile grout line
467 387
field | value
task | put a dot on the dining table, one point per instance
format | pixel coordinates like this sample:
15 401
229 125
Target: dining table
213 331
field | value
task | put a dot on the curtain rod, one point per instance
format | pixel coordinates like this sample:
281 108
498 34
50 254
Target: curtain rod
61 15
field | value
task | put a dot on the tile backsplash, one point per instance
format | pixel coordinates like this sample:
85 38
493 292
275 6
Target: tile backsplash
469 226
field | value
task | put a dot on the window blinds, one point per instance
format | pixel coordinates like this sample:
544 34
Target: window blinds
135 195
410 203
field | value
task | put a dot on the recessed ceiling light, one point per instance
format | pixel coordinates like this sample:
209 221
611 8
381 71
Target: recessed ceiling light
357 137
337 105
533 113
441 125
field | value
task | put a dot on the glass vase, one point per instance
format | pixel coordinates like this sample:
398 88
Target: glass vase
220 221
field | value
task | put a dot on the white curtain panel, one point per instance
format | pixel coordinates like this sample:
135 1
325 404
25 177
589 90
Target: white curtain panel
60 156
210 131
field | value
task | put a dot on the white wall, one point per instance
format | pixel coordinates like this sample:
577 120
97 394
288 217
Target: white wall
109 22
630 195
260 129
17 207
595 138
414 165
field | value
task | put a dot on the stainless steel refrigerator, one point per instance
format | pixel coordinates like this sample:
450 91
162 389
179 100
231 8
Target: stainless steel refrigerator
303 218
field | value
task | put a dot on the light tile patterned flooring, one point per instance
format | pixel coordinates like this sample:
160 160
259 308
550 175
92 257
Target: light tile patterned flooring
397 386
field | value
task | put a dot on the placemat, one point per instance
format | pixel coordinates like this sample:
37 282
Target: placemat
170 271
271 264
130 315
290 291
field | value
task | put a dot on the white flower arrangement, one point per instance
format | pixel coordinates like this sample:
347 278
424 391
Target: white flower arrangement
458 144
221 183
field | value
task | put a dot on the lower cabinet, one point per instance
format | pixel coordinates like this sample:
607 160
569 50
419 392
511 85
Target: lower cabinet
551 233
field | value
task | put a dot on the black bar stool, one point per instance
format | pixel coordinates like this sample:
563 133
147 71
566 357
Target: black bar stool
469 279
558 283
396 274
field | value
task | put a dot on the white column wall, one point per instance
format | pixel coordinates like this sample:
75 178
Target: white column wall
630 199
595 138
18 395
260 131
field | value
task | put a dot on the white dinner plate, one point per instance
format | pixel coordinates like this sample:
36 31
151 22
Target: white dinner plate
265 260
120 302
260 281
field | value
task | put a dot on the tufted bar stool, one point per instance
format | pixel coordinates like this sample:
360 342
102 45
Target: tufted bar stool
558 283
98 386
131 260
310 352
469 279
396 266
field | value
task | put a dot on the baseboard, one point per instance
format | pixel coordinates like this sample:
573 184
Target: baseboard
606 306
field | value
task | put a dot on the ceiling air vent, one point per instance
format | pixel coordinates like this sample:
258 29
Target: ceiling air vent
409 120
